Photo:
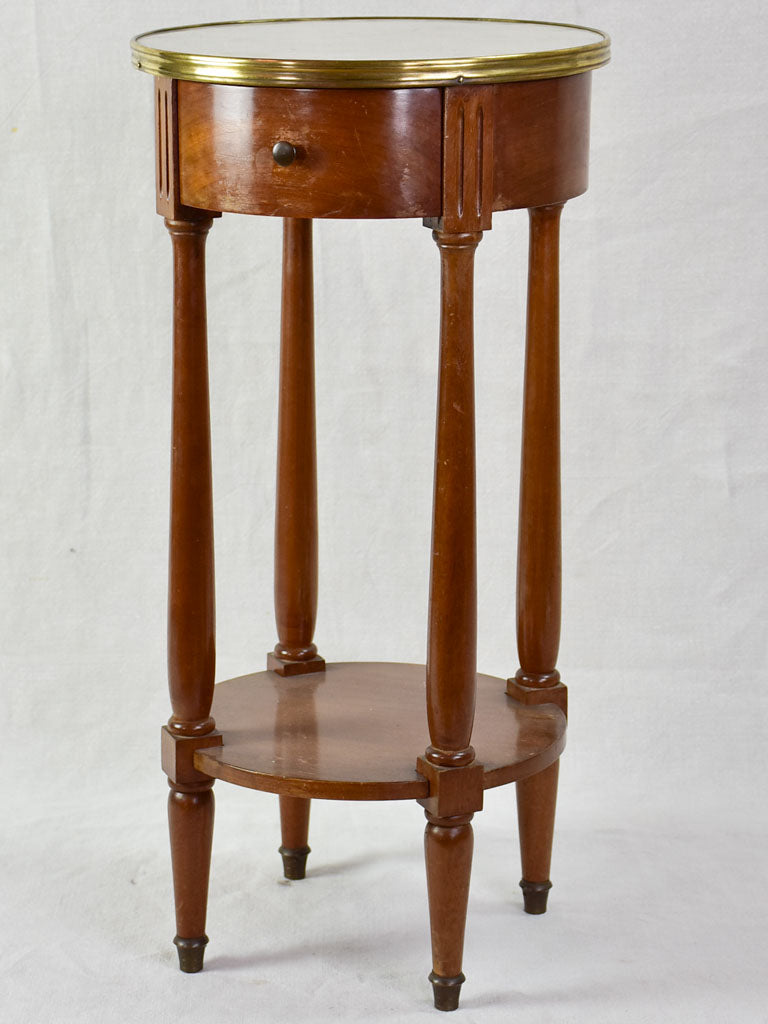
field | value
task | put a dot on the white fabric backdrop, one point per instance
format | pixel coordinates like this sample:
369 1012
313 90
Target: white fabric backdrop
658 911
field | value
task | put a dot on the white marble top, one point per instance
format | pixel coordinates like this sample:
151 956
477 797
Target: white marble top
375 39
349 52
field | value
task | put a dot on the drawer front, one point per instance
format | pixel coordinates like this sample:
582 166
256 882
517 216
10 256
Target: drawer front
356 152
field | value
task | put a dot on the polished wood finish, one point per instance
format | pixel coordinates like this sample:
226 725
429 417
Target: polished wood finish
191 611
294 824
167 191
360 152
541 141
452 640
467 179
177 755
448 845
539 561
191 614
371 153
190 818
539 550
296 506
455 776
536 798
351 732
452 789
303 729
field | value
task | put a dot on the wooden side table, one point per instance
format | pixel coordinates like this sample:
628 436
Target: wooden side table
449 120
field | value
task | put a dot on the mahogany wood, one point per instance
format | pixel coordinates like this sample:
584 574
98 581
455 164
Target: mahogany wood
452 790
455 777
452 640
191 613
541 141
359 152
467 179
448 845
350 733
167 194
368 152
536 799
177 753
302 729
190 819
296 506
294 823
539 552
191 625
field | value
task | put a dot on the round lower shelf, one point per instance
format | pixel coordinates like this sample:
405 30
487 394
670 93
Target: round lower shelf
354 731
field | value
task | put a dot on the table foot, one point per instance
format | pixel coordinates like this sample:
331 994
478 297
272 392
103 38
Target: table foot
294 834
294 862
191 953
448 847
535 896
190 816
446 991
536 799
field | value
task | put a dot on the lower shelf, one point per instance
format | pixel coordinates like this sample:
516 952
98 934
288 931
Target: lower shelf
354 731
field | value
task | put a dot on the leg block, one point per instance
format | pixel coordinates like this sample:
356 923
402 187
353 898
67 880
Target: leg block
287 668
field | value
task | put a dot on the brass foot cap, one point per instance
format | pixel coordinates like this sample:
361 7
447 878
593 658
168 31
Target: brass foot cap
294 862
535 896
191 953
446 991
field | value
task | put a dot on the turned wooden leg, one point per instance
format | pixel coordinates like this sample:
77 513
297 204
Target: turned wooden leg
448 847
536 798
191 626
539 553
449 761
296 507
294 824
190 817
449 765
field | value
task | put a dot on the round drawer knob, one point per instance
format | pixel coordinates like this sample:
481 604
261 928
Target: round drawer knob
283 153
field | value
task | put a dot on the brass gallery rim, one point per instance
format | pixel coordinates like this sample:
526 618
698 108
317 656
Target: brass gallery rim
387 73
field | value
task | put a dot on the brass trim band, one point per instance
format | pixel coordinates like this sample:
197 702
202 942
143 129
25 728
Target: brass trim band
361 74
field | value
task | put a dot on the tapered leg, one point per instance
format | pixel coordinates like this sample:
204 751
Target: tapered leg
190 817
539 557
448 847
536 798
294 825
191 627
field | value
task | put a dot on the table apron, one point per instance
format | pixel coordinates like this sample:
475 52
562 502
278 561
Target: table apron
367 153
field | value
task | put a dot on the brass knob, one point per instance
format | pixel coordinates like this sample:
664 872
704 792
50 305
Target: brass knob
283 153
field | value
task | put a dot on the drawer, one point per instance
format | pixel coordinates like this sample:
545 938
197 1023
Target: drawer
359 153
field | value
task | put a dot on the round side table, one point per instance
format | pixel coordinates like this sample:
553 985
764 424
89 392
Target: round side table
449 120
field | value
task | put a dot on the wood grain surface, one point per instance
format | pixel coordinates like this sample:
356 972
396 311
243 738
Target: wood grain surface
354 732
359 152
541 141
